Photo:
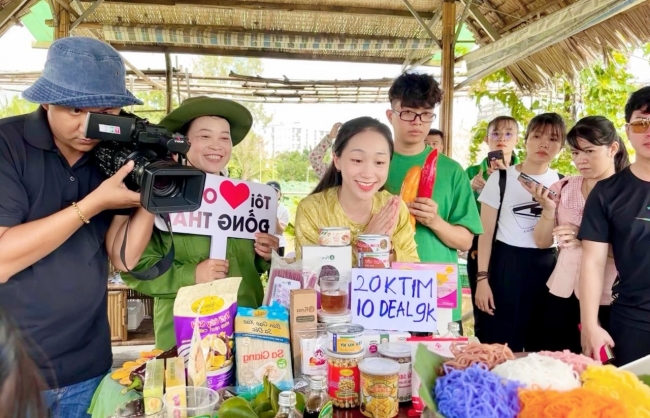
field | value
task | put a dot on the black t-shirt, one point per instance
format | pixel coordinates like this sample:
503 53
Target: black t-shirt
618 212
60 302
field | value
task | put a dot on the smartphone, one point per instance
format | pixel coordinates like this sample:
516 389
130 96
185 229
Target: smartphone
606 354
493 156
525 178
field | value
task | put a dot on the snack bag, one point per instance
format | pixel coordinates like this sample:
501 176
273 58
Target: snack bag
204 321
263 348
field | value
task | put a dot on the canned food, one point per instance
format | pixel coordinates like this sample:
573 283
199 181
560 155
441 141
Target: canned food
343 378
334 237
374 260
345 338
373 244
379 387
401 353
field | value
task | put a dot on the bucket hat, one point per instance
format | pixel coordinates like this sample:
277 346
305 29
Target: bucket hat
239 118
82 73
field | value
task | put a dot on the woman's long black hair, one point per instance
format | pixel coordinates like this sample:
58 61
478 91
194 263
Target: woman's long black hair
20 381
599 131
332 177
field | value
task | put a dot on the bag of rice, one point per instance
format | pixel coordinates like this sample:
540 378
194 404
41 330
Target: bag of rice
263 348
212 307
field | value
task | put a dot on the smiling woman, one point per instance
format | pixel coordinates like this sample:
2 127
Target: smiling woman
213 127
351 193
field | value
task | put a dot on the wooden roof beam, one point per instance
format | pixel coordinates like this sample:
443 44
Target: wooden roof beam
289 7
10 9
482 21
324 37
422 23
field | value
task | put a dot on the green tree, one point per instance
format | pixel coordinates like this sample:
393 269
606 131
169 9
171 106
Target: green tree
293 166
154 107
15 106
249 161
601 89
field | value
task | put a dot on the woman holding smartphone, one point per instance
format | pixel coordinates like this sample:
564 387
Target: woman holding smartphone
510 283
598 152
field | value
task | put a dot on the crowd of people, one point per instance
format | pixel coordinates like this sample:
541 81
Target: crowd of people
554 262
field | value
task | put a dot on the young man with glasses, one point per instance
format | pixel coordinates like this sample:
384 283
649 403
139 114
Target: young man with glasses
617 213
448 220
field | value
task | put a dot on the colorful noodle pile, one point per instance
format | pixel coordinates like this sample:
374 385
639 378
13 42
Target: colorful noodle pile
619 384
578 361
476 393
577 403
466 355
539 372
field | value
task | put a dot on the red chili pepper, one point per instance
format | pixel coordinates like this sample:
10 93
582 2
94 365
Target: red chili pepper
428 176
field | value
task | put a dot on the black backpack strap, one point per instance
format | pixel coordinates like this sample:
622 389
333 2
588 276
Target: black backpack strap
161 266
503 176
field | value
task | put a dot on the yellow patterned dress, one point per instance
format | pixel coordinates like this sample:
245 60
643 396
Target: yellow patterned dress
322 210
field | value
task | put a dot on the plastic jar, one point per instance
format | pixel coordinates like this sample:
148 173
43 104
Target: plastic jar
378 380
334 318
345 338
401 353
343 378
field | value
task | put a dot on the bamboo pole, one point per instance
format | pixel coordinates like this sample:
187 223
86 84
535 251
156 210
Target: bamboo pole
448 60
170 82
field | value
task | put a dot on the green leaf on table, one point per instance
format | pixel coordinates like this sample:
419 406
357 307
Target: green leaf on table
300 402
272 393
236 407
427 364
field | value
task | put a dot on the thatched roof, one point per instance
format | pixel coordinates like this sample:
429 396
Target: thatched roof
534 39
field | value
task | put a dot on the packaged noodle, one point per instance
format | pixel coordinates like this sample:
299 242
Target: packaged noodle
210 307
263 349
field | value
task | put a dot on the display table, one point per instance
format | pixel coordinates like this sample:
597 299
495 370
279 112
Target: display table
109 396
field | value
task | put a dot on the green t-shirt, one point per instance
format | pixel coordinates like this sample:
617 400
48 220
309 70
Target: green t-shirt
452 193
473 170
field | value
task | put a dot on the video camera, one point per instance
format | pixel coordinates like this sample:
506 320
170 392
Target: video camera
165 185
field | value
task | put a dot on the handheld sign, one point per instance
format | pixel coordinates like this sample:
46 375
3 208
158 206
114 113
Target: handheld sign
230 209
399 300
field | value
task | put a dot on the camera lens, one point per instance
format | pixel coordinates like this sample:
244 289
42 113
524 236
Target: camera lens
165 186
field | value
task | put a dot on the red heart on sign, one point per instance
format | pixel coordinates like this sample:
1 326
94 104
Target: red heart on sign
234 195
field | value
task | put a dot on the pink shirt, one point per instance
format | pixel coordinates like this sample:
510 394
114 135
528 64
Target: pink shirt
565 278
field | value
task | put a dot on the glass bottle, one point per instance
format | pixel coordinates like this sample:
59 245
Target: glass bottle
453 330
318 403
287 405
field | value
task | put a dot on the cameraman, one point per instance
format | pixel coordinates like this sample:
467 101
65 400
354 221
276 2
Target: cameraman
57 220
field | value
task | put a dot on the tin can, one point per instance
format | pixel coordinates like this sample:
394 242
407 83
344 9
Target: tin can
373 244
374 260
379 383
334 237
345 338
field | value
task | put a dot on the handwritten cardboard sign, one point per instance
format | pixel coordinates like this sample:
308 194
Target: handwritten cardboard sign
230 209
399 300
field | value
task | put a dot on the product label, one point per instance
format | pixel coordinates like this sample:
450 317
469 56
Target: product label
404 391
343 382
379 398
342 344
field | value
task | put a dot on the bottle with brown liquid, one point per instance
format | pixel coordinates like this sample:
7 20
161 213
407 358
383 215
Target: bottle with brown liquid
318 403
287 405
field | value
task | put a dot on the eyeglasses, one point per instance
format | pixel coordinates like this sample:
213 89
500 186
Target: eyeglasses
494 136
639 126
410 116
